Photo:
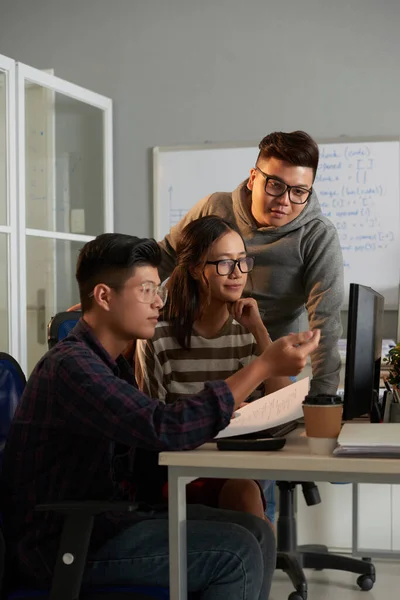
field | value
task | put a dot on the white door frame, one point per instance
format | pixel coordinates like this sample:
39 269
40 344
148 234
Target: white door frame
24 74
7 65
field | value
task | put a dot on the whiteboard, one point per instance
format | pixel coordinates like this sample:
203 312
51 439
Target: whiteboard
357 184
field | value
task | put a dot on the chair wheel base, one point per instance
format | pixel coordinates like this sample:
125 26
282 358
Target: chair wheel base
297 596
365 583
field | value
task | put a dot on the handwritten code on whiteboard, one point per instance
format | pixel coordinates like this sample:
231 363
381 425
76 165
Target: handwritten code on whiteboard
358 189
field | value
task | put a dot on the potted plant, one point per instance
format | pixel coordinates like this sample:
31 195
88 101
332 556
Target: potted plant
393 364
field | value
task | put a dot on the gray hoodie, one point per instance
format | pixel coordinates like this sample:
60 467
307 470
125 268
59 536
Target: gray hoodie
297 265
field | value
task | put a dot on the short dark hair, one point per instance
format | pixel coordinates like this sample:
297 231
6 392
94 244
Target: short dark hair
111 259
185 303
296 148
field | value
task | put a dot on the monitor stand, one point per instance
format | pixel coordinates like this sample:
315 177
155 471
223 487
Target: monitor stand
376 415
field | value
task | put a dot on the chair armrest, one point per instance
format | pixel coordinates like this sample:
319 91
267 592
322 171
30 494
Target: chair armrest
90 508
74 543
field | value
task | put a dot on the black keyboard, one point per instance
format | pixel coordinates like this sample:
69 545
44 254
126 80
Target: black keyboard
273 432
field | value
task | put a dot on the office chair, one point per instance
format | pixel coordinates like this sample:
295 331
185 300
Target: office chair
77 528
71 560
12 383
292 559
60 325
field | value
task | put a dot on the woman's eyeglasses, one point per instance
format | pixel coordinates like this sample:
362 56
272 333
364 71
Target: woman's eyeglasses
227 266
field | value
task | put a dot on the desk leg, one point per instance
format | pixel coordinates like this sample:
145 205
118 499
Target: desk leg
177 534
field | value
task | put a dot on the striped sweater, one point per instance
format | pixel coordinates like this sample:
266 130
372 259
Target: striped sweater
166 371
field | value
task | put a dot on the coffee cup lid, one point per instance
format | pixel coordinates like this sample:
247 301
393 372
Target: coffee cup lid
323 400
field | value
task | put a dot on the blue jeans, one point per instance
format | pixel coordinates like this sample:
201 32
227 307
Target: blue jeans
268 488
230 555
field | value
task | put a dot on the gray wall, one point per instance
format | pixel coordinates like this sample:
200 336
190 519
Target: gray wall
186 71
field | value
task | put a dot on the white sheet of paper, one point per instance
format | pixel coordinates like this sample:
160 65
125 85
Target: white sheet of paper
271 410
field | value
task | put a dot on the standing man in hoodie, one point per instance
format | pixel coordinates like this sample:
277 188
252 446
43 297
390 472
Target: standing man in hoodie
298 257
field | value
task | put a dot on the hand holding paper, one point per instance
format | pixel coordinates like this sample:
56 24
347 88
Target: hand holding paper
284 357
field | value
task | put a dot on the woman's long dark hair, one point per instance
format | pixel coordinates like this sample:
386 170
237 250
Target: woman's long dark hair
185 303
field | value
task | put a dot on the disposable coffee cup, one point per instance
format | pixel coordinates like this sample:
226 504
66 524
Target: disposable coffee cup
323 421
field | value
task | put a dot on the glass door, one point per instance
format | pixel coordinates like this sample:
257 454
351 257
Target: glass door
8 212
65 195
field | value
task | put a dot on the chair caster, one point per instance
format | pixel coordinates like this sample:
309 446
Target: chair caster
297 596
365 583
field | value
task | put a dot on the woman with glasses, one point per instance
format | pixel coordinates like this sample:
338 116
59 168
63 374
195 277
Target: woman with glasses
209 332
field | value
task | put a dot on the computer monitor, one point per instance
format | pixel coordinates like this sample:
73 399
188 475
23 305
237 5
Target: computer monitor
363 354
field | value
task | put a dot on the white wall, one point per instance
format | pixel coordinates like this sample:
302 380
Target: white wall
186 71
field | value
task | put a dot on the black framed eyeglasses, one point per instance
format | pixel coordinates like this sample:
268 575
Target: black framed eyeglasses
226 266
275 187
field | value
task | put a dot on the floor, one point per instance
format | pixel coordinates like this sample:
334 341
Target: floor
331 585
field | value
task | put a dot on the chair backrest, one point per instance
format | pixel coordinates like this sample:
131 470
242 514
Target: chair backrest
60 326
12 384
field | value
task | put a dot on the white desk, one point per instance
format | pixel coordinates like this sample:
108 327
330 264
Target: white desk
293 463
